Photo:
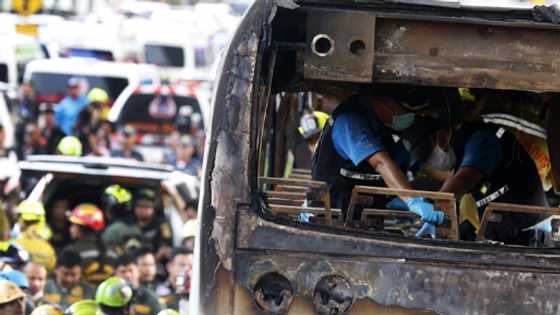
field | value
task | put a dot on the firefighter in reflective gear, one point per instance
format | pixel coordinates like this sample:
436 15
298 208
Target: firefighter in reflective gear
29 213
47 310
87 221
39 249
84 307
144 226
364 144
168 312
70 146
12 299
113 296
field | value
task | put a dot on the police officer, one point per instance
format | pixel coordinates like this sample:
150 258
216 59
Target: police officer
12 299
87 221
113 297
360 146
145 224
67 286
144 302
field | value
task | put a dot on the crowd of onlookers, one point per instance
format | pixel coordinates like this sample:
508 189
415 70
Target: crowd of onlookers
67 259
83 116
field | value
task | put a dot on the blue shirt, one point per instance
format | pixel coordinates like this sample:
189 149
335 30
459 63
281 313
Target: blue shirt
66 112
354 140
483 151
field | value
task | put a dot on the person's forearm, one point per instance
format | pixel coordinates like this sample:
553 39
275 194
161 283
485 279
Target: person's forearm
462 182
390 172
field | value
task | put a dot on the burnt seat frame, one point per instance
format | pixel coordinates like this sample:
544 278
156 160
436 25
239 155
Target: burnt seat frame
451 232
494 207
291 195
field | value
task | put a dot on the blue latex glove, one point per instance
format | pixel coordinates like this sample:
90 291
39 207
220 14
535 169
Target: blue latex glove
304 217
427 229
425 210
396 204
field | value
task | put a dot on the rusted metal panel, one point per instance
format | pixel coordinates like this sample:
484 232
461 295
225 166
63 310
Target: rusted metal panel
339 45
553 140
228 146
469 55
418 288
261 234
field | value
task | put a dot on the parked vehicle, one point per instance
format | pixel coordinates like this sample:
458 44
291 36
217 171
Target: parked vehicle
254 256
156 111
49 77
88 177
15 52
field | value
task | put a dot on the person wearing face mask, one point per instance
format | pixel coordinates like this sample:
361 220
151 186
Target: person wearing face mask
491 165
361 145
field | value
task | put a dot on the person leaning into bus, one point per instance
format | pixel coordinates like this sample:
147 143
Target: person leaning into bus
492 166
358 147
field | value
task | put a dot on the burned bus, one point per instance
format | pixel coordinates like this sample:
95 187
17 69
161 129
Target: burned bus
256 255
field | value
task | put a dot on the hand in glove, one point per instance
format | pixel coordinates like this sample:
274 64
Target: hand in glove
425 210
427 229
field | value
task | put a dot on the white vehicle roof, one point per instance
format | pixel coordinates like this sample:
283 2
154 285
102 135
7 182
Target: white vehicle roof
178 90
92 67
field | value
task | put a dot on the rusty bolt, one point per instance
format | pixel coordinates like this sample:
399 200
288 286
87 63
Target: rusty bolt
333 296
273 294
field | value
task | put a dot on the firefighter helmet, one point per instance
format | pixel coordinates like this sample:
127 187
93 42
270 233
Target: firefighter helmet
88 215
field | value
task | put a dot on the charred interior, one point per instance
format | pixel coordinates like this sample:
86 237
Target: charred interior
456 70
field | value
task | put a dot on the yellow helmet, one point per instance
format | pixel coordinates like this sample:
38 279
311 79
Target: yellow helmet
39 230
83 307
30 210
46 310
98 95
9 292
70 146
189 228
311 125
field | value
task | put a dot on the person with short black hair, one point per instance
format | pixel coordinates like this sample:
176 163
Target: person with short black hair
147 267
144 301
176 288
67 286
127 149
51 134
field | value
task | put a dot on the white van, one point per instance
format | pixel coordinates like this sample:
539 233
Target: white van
16 50
154 111
49 77
184 56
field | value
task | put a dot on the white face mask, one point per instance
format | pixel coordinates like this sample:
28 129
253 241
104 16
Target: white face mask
441 160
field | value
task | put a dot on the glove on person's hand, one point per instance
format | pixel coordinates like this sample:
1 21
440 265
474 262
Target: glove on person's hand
425 210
